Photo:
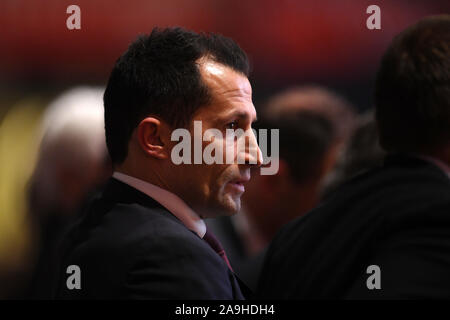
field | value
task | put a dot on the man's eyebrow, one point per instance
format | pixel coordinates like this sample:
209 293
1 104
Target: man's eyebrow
240 114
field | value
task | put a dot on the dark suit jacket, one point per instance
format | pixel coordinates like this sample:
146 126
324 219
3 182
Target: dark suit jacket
130 247
396 217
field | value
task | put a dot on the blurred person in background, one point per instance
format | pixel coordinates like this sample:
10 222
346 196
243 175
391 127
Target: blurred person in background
18 149
386 233
72 163
314 123
362 153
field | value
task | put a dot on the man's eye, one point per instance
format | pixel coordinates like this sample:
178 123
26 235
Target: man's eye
231 125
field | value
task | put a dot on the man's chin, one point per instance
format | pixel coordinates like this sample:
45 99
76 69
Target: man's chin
232 205
227 206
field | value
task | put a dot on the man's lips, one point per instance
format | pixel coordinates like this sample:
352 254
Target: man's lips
238 184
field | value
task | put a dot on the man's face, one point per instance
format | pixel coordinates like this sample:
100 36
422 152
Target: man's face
216 189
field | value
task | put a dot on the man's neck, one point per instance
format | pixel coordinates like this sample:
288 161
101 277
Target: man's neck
148 176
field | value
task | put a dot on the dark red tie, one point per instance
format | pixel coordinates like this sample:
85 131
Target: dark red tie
216 246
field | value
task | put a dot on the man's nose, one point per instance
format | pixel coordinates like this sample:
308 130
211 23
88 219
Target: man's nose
253 154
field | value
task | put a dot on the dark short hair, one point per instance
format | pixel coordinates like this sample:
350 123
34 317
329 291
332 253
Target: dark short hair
305 137
412 91
311 120
318 100
158 75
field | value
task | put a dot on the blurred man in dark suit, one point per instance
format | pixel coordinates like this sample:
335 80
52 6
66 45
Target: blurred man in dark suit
318 122
384 233
145 236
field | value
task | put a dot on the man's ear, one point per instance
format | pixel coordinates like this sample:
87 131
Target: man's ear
152 135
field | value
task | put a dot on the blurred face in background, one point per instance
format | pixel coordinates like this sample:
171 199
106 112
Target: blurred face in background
72 158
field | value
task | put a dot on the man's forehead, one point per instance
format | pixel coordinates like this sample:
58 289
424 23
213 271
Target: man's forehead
223 79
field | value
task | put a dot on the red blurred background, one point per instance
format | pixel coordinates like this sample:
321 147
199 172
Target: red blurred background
288 41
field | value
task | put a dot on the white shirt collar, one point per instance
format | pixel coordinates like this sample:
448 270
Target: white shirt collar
168 200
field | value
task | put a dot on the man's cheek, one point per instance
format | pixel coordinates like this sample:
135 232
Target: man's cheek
213 147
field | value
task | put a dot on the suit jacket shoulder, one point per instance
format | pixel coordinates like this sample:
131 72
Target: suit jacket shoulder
129 246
